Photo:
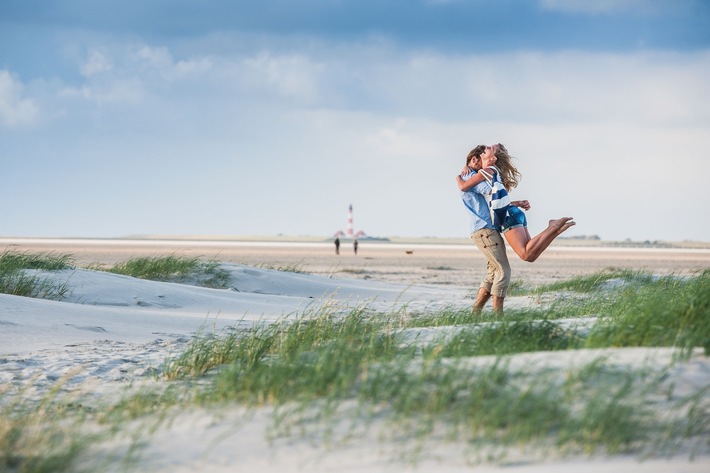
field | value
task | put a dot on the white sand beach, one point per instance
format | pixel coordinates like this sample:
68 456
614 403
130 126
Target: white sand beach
406 263
113 332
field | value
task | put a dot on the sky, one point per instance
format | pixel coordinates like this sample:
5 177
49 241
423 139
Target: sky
272 117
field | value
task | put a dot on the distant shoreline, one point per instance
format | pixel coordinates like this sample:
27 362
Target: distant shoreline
386 241
395 242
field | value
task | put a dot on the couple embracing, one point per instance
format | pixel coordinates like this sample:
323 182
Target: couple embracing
485 181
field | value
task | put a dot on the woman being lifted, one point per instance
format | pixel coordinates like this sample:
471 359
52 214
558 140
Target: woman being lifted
494 164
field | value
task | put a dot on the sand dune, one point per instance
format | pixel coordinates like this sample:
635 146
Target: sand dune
115 331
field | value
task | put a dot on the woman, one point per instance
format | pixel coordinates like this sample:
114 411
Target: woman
507 216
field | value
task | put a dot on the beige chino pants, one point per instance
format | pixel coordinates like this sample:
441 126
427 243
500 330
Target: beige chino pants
498 272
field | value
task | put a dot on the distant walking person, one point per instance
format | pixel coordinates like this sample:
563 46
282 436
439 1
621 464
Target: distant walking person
355 246
337 245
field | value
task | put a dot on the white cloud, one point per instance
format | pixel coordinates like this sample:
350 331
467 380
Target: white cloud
645 88
117 91
351 126
130 74
193 67
96 63
15 109
293 76
402 139
650 87
155 57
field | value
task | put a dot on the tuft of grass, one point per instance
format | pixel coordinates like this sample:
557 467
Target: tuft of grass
15 280
615 411
517 288
299 267
324 360
595 282
671 311
470 404
175 269
142 404
20 284
204 353
511 337
12 260
453 316
44 437
318 355
445 317
592 298
354 271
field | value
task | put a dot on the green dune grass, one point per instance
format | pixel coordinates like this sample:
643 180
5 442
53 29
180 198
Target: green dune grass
322 369
15 280
174 268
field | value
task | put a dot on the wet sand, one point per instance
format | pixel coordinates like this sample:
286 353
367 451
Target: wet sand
414 263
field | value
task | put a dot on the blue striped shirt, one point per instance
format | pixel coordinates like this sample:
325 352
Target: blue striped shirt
499 199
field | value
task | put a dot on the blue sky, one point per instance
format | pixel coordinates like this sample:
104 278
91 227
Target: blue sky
271 117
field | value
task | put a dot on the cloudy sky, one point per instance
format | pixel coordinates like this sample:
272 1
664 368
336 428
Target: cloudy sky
236 117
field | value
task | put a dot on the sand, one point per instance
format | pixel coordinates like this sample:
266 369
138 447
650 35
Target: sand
460 265
112 332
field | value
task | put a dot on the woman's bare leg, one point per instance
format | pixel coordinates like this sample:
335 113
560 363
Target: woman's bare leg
530 249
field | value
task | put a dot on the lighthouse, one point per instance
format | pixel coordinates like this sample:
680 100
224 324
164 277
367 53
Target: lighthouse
349 233
349 228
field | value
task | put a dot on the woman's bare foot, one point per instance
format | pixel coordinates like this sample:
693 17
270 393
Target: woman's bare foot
559 223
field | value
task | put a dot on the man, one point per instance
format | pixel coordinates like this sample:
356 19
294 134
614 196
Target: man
484 235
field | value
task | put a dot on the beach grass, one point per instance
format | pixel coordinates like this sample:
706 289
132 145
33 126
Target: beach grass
16 276
330 358
298 267
330 361
357 271
46 436
326 367
175 268
511 337
14 260
582 284
596 281
668 311
326 359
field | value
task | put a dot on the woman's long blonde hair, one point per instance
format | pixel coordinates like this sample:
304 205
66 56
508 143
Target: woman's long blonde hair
509 174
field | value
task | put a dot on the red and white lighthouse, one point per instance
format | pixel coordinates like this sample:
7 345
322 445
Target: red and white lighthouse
349 232
349 229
